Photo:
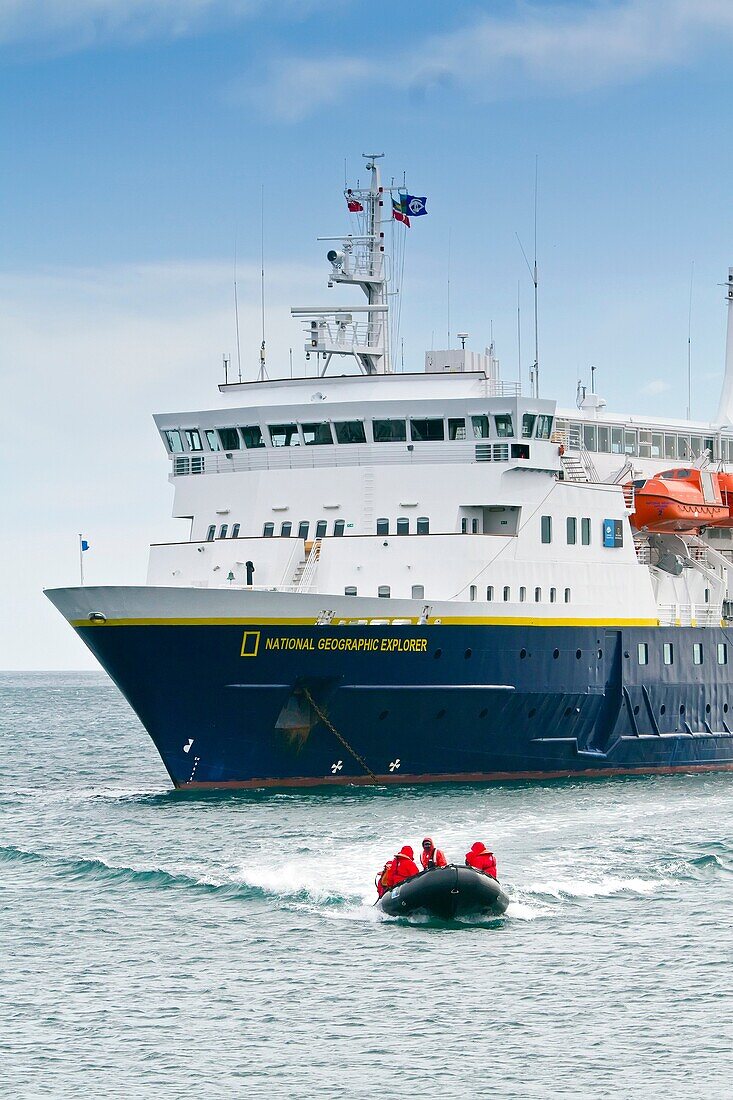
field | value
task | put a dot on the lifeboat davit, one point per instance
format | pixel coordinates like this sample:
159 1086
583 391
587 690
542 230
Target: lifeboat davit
681 500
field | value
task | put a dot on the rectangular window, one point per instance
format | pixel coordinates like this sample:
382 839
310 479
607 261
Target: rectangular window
350 590
546 528
456 428
472 592
321 529
585 530
722 653
383 591
657 444
480 425
697 653
544 427
630 441
567 595
709 445
642 653
418 592
350 431
211 533
538 595
212 440
670 446
425 431
382 526
268 530
553 595
173 439
503 422
284 435
193 439
507 594
683 446
522 594
604 439
696 445
338 527
229 438
317 435
423 525
464 525
617 441
223 530
528 421
303 529
403 526
645 444
572 530
668 653
589 437
252 435
285 529
389 431
490 593
235 531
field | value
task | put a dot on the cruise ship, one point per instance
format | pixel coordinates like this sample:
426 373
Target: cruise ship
414 577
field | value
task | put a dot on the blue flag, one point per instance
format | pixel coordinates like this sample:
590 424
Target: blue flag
84 544
414 205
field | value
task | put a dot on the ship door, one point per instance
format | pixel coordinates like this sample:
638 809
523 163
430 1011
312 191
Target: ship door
603 733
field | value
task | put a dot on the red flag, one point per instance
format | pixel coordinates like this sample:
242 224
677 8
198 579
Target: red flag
399 213
353 203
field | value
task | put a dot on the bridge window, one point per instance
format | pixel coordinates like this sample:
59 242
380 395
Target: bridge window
338 526
303 527
630 441
212 440
504 427
321 529
350 590
252 435
382 526
389 431
425 431
235 531
423 525
572 530
585 530
722 653
480 425
284 435
589 437
507 594
223 530
546 529
229 438
696 445
316 435
617 441
642 653
403 526
418 591
456 428
544 427
173 439
193 439
528 425
670 446
211 533
268 530
668 653
350 431
683 446
285 529
604 439
383 591
697 653
538 595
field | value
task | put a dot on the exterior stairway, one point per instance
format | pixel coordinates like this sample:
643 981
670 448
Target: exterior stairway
573 468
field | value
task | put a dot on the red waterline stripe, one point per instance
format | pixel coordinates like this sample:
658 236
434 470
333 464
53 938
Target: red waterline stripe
452 777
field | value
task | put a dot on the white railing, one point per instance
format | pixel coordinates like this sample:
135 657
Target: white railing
643 551
696 614
296 554
344 335
306 581
628 491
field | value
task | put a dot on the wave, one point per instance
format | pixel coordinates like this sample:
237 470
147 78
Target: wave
605 887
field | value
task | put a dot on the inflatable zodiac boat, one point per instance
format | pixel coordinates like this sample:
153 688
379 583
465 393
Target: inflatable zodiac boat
447 893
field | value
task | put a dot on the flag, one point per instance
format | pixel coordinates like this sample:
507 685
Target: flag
399 212
84 544
414 205
353 203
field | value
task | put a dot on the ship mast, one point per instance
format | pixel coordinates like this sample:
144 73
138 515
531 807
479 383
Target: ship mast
361 331
725 408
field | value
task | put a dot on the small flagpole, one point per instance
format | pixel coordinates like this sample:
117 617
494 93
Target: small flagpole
81 563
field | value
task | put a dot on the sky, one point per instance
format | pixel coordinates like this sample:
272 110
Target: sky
140 136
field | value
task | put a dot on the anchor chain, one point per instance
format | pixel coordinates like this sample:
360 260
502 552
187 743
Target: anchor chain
329 725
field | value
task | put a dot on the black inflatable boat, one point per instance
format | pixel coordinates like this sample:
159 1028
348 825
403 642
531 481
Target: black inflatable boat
447 893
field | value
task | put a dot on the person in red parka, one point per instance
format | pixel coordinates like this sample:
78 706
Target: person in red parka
482 859
430 856
397 870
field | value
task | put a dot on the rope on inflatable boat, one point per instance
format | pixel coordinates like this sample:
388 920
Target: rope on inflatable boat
329 725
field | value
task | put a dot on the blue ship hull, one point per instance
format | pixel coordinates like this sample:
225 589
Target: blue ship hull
234 706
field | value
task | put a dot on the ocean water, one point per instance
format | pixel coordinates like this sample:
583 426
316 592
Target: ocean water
162 944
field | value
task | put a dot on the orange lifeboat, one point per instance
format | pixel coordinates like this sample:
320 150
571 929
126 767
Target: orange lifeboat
725 482
681 500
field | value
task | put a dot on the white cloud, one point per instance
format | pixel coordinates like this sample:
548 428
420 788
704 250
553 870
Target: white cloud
557 46
656 386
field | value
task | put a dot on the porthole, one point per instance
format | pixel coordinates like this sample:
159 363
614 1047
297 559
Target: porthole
522 653
483 713
636 709
682 708
600 654
556 653
626 654
578 654
468 653
383 714
531 713
707 708
438 653
662 709
440 714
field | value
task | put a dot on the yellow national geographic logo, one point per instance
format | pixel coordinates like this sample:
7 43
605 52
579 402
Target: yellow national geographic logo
250 643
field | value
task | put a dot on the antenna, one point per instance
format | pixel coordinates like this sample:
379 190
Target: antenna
534 371
689 346
236 313
519 339
263 370
448 287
